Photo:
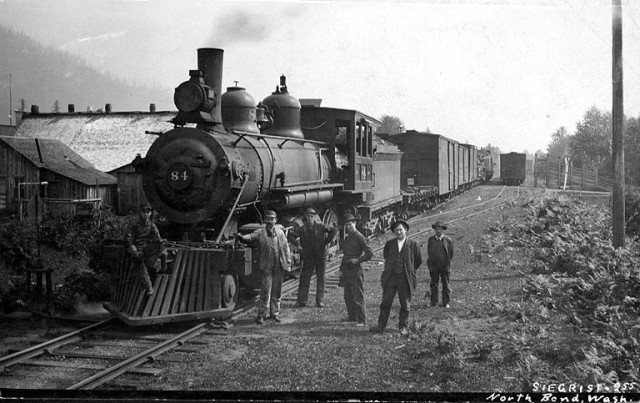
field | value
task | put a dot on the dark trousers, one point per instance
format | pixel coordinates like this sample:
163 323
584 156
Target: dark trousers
397 284
145 265
354 293
437 275
310 265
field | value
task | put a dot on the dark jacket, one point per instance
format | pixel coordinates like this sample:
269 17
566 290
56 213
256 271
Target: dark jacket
355 246
412 260
433 253
313 242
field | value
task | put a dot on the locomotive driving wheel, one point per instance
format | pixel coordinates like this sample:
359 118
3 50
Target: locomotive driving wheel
229 291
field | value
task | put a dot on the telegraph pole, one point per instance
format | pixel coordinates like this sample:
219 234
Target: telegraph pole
617 143
10 103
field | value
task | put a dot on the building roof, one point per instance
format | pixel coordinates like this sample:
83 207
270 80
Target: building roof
107 140
57 157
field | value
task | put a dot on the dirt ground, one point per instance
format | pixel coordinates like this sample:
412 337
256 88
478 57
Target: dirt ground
467 348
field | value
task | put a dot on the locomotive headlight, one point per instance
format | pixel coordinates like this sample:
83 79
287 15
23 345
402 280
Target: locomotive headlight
194 95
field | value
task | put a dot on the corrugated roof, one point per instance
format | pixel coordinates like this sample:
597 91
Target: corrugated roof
108 141
57 157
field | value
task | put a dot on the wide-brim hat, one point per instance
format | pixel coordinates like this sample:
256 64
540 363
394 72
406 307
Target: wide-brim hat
270 214
439 224
350 217
398 222
310 210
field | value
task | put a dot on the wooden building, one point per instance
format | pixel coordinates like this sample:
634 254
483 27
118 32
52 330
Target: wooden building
109 141
32 169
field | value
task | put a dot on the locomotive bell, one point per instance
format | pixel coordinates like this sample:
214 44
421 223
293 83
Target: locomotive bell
285 112
239 110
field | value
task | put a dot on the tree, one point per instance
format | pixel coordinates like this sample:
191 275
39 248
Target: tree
559 145
391 125
592 141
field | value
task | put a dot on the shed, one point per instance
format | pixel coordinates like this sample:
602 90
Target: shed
109 141
49 169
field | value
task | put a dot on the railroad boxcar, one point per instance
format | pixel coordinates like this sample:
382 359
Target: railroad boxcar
429 160
512 168
469 163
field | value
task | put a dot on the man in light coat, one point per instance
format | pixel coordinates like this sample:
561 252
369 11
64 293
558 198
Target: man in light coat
402 258
274 260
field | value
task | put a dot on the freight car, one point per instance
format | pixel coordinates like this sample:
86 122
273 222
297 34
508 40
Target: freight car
227 160
512 168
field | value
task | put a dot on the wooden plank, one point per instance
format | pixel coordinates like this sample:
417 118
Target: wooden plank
208 302
171 287
161 294
186 286
195 277
204 279
80 365
182 258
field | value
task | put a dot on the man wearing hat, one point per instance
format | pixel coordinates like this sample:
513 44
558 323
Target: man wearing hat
402 258
143 242
311 240
355 251
274 259
439 255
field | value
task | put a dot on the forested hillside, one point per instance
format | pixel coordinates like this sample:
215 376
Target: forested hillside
41 76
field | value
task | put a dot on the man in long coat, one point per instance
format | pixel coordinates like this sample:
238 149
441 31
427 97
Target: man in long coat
274 259
439 255
402 258
311 240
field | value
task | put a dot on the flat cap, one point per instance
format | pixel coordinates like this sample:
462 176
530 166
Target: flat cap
439 224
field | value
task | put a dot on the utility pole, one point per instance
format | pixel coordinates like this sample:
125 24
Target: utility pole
617 143
10 103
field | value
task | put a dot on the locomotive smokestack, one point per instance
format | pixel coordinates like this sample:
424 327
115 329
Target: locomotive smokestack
210 63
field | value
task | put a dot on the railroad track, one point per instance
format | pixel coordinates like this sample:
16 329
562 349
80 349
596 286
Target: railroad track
131 363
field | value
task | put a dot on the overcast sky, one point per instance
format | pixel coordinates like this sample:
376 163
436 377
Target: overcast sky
505 72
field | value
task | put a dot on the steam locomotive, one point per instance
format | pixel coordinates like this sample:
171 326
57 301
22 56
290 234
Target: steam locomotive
228 159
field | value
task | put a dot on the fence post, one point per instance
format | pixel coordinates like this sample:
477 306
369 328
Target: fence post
535 170
571 174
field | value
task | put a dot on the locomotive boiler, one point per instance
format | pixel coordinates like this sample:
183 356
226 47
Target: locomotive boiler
224 163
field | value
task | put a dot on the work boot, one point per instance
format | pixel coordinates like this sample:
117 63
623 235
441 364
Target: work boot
275 318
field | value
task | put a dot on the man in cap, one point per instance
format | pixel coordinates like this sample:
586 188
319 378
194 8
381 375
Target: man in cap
311 240
439 255
402 258
143 242
274 259
355 251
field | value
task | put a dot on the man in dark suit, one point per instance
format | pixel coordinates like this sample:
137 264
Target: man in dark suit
311 240
439 255
402 258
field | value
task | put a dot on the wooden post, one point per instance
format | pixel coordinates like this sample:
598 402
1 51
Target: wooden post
559 170
617 143
571 174
535 170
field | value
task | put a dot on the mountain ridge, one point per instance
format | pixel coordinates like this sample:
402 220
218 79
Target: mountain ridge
51 78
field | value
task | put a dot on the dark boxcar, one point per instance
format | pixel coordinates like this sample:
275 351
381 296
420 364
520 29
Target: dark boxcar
429 160
512 168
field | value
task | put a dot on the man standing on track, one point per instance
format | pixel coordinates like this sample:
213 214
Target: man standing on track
402 258
311 239
355 251
274 260
440 253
